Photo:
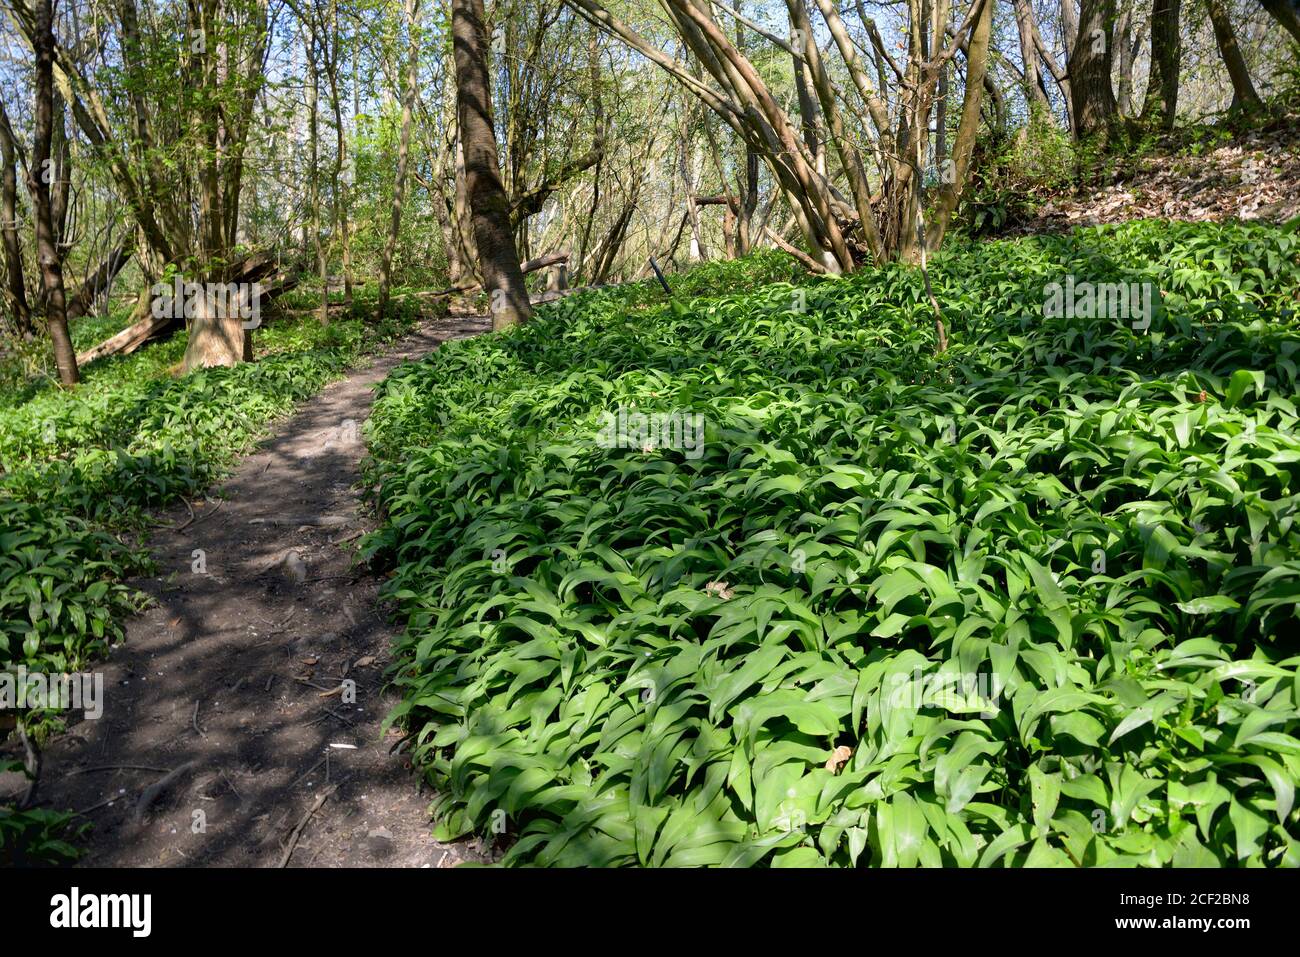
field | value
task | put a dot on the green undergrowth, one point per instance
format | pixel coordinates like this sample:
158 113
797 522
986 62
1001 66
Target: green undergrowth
1029 602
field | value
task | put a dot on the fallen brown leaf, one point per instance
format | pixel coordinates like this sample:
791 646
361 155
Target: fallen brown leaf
839 757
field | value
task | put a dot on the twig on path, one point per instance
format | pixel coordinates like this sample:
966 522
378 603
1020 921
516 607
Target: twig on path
342 717
153 791
190 509
316 686
231 785
95 807
327 521
206 515
118 767
311 769
297 831
195 721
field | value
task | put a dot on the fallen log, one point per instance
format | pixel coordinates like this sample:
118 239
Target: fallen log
541 262
558 280
132 337
812 264
146 327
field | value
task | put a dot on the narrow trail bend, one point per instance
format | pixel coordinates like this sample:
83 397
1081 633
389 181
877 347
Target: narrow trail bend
231 679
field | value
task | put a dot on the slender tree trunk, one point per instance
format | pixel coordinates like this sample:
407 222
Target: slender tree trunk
61 170
748 204
949 194
1034 93
809 120
941 122
1161 101
833 120
342 182
1069 26
38 183
1243 91
490 207
15 292
749 195
313 181
1124 39
1090 69
699 252
412 14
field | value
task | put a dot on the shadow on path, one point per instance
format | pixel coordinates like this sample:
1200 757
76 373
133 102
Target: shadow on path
238 674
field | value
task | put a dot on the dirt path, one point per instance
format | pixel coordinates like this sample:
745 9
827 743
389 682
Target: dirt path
233 677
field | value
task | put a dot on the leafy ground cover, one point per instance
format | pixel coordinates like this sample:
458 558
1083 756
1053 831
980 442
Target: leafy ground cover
78 472
1029 602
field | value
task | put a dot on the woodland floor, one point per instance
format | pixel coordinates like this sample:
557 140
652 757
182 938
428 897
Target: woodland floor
1255 176
232 676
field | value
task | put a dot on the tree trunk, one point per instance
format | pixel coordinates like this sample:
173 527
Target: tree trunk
489 205
963 147
412 13
313 182
1287 13
1243 91
1034 93
15 292
216 340
1090 69
699 252
61 174
809 119
1124 39
749 186
38 183
941 122
1069 26
344 182
464 221
1166 56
